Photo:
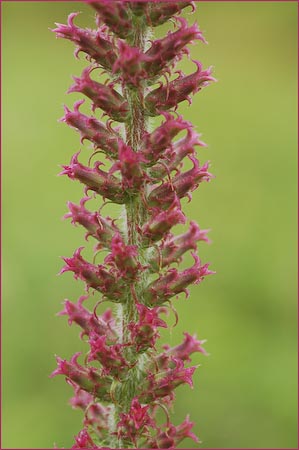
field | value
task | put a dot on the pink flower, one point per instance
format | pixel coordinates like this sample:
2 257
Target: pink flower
163 383
174 282
87 379
89 322
90 128
95 179
102 229
144 332
163 51
124 257
171 94
173 247
131 64
160 12
81 399
181 185
186 182
130 167
103 96
160 139
136 422
174 435
96 277
110 356
94 44
159 225
184 350
171 159
97 417
83 440
115 15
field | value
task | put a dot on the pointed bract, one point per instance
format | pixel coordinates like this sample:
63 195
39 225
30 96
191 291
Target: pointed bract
102 96
96 44
169 95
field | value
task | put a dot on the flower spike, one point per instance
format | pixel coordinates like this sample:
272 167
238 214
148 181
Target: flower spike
134 255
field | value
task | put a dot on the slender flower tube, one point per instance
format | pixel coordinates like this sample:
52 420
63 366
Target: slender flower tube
124 379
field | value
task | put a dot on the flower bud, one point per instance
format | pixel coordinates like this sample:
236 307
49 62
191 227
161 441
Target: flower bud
160 12
173 435
144 332
87 378
129 164
186 182
97 416
96 277
168 359
194 274
115 14
135 422
83 440
174 155
89 322
170 95
124 257
164 51
102 229
162 196
110 356
81 398
95 179
163 384
155 143
131 64
159 225
183 351
174 282
96 44
172 249
93 130
103 96
181 185
160 290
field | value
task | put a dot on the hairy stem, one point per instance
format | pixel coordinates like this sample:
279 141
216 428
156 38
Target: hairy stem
135 209
136 215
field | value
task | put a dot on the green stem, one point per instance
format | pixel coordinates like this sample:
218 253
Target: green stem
135 210
136 215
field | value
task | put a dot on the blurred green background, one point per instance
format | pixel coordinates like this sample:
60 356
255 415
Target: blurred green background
245 391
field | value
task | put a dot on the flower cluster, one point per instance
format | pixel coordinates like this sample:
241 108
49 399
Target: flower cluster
124 379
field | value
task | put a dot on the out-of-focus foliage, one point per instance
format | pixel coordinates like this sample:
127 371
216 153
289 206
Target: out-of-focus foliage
245 391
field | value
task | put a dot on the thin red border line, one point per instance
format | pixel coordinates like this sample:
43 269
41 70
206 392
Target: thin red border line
297 203
202 1
1 225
